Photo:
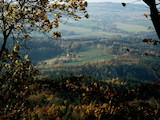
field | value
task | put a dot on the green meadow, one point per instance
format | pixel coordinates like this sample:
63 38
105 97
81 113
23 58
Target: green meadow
131 28
91 54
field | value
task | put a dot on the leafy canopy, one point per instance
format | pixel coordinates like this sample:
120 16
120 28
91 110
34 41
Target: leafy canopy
18 18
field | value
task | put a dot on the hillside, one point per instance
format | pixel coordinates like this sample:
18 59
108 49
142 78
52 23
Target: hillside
106 20
106 67
105 36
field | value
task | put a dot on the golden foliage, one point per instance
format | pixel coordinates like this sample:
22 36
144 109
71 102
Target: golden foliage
22 16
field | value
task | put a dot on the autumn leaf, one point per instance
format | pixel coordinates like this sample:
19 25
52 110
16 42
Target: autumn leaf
155 69
58 118
149 28
146 40
123 4
87 16
146 15
146 54
128 50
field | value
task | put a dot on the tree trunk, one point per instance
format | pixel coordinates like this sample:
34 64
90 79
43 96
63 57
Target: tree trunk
156 21
5 37
3 46
155 17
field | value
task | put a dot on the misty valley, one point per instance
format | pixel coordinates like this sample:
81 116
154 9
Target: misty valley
105 67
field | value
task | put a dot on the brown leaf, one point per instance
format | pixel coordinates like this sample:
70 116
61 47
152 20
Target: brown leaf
124 4
146 15
146 40
146 54
127 50
58 118
155 69
149 28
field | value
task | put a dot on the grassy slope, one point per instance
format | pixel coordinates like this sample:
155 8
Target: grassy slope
86 32
131 28
88 55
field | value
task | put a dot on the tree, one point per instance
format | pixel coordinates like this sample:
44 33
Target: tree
16 77
19 18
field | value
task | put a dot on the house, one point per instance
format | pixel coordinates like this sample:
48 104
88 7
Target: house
71 54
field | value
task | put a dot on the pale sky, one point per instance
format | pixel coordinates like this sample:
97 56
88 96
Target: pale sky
126 1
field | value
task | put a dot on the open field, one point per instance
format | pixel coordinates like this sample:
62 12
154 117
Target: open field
87 32
90 60
131 28
95 34
88 55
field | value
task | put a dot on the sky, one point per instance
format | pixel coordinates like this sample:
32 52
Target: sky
126 1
